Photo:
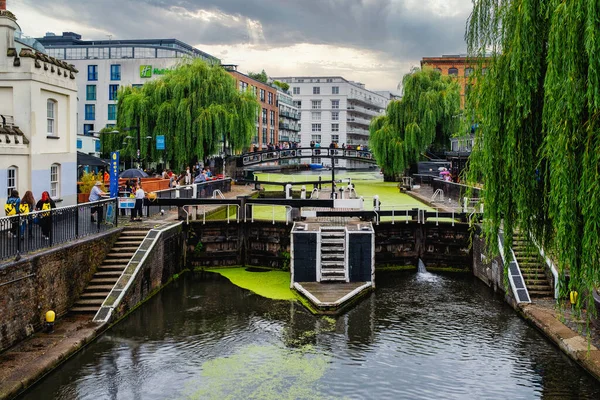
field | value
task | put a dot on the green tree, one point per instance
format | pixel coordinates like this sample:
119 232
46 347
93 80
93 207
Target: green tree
539 140
425 115
283 85
195 106
261 77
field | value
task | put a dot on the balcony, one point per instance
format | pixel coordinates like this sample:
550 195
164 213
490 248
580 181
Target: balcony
357 131
362 110
366 100
289 115
358 121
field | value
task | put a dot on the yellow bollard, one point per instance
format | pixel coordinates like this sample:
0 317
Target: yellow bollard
573 296
50 316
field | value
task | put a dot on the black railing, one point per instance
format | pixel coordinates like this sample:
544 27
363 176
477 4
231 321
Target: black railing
305 152
37 230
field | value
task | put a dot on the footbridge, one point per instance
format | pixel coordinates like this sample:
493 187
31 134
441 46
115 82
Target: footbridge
269 156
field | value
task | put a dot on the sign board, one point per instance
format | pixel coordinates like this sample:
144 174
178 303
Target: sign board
126 202
160 142
146 71
114 174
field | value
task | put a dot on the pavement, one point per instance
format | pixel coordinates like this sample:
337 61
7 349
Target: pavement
30 360
425 192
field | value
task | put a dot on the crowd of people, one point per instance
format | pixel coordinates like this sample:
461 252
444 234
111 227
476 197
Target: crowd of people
196 174
24 207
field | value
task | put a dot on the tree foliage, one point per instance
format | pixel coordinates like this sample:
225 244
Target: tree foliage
422 117
261 77
283 85
538 143
195 106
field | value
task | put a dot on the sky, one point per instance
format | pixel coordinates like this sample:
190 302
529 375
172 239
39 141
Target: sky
374 42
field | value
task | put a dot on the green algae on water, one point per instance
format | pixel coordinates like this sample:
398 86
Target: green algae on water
272 284
262 372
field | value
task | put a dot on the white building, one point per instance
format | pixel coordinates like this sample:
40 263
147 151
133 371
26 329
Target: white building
289 117
38 123
106 65
334 109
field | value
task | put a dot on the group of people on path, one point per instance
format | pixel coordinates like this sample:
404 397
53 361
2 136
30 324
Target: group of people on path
132 188
24 207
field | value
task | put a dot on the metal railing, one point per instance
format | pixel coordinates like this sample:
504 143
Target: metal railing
37 230
305 152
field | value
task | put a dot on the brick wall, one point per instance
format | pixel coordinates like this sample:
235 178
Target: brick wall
489 270
50 280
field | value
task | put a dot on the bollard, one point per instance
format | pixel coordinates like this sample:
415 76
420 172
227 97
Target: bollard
49 325
288 191
303 192
376 203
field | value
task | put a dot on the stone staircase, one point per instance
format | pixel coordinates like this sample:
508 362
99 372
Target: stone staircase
109 272
533 267
333 246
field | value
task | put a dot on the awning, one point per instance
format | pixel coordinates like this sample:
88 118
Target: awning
86 159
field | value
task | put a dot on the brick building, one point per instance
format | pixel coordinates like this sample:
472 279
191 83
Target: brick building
459 66
267 120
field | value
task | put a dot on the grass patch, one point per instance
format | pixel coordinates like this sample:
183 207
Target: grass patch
273 284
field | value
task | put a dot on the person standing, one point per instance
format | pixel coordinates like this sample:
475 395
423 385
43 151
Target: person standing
96 195
11 209
188 176
27 206
139 202
45 204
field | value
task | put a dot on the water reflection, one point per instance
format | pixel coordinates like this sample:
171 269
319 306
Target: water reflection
418 336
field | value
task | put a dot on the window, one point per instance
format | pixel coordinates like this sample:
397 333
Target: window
335 104
51 116
335 127
243 86
335 90
272 136
316 90
335 138
90 112
316 138
87 128
300 80
112 92
316 104
264 116
298 104
270 98
262 95
264 136
296 90
79 144
90 92
272 115
452 71
55 181
335 115
11 180
315 116
115 72
468 71
316 127
112 112
92 72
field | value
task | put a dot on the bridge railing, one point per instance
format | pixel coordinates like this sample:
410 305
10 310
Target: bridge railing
304 152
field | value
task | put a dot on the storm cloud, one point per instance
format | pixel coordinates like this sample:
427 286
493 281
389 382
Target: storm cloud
398 31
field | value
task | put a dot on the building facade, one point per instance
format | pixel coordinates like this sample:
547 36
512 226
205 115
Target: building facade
38 119
289 118
334 109
267 120
106 65
458 66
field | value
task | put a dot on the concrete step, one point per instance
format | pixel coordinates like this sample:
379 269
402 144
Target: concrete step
333 279
529 264
95 295
132 232
332 241
98 288
128 243
112 267
541 293
89 302
107 274
539 288
101 281
120 254
84 310
536 281
124 249
114 261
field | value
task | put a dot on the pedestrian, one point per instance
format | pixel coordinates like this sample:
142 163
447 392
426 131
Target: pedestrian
139 202
27 206
96 195
11 209
45 218
106 176
188 176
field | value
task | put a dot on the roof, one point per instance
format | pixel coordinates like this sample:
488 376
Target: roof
86 159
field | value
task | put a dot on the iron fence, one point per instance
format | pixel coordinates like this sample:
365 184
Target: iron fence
37 230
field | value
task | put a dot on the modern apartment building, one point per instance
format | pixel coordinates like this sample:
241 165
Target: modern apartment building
267 120
289 118
38 120
334 109
106 65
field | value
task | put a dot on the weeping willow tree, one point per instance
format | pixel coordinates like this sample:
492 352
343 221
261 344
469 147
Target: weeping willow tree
195 106
538 146
425 115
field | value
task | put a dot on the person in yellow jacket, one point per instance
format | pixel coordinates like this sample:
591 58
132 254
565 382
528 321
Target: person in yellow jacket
27 206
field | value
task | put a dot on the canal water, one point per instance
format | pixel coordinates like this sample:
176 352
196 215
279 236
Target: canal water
419 336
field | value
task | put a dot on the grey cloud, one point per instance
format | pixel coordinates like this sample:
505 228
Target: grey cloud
384 25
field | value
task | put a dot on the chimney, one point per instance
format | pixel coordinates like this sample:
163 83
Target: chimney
2 5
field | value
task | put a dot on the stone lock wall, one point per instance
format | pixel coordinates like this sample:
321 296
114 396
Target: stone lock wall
50 280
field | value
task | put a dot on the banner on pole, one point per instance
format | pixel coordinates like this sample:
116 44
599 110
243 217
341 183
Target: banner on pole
160 142
114 174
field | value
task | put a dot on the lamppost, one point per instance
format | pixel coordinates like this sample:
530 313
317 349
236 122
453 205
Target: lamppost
137 131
